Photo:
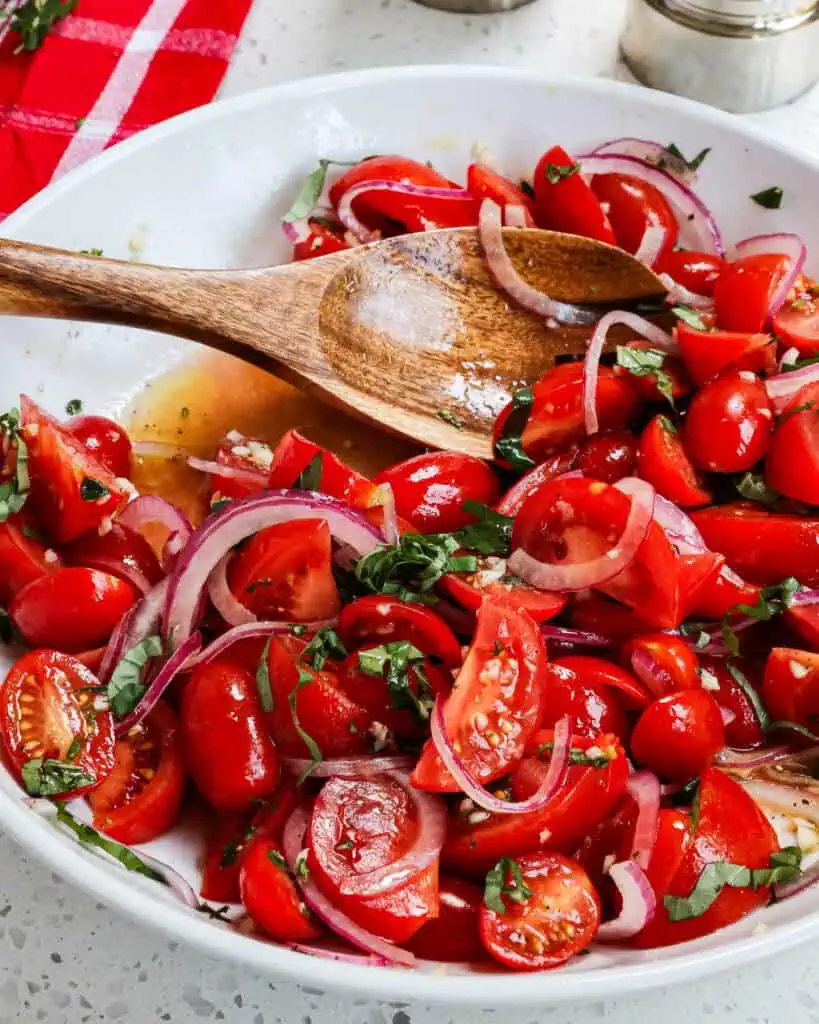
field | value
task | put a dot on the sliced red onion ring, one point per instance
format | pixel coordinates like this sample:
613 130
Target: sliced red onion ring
252 631
803 597
651 674
576 636
645 789
678 527
222 531
782 387
347 216
506 277
224 600
340 955
651 244
140 621
296 231
582 575
124 568
591 364
680 295
730 758
150 508
651 153
727 715
246 477
347 767
782 890
163 679
639 903
336 921
471 786
784 243
179 886
693 212
391 534
515 216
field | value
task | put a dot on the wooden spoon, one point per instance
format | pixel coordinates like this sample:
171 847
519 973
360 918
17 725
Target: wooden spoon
398 332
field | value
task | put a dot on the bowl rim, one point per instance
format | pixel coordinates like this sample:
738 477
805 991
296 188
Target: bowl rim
433 986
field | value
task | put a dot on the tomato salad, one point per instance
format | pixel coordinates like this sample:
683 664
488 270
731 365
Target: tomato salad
461 711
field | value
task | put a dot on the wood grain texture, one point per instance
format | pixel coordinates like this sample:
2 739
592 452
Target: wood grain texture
395 332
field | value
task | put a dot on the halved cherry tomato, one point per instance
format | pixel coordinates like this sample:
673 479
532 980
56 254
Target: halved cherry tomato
120 551
790 686
558 919
664 463
141 797
720 593
285 572
563 200
270 894
293 455
576 520
246 461
23 558
105 439
47 710
792 462
72 609
323 237
764 547
744 730
675 662
380 619
744 289
797 321
696 271
62 470
229 837
490 580
707 353
454 935
632 206
555 465
678 735
496 702
729 423
596 613
592 709
607 676
484 183
359 825
608 456
228 751
430 489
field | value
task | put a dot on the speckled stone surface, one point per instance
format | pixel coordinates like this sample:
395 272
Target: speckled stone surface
65 959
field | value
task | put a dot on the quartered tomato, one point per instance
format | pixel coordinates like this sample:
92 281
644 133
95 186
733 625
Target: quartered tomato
744 731
663 461
247 463
729 423
559 917
72 491
496 702
359 825
285 572
790 687
675 665
632 206
696 271
323 237
23 557
47 711
706 353
491 580
270 894
744 289
295 453
797 321
122 552
381 619
555 465
792 463
72 609
677 736
105 439
454 935
608 456
484 183
592 709
563 200
141 797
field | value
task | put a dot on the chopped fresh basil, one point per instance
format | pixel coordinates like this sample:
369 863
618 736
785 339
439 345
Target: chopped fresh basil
769 198
786 415
51 777
215 913
750 692
391 662
90 837
577 756
91 252
13 493
311 191
802 730
263 679
298 629
411 568
491 535
693 164
787 367
276 858
92 490
302 871
557 172
691 317
496 886
667 424
752 487
772 600
324 645
305 678
231 850
218 505
695 807
450 418
310 477
74 749
509 445
73 406
648 363
348 844
34 19
125 687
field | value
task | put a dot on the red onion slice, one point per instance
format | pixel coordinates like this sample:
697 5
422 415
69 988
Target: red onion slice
296 231
347 767
680 295
222 531
582 575
471 786
651 153
252 631
179 886
336 921
503 273
678 527
347 216
782 890
516 216
163 679
224 600
782 243
391 533
591 364
150 508
651 244
803 597
140 621
339 955
639 903
581 637
730 758
651 674
645 789
247 477
783 387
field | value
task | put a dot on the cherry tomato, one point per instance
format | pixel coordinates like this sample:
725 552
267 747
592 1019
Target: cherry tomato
141 797
792 463
744 289
47 710
591 708
675 665
430 489
706 353
696 271
678 735
558 919
323 237
285 572
121 552
228 751
105 439
360 825
72 609
612 837
381 619
270 894
484 183
790 686
555 465
246 461
576 520
647 387
496 702
23 558
764 547
271 817
490 580
595 613
229 838
607 677
563 200
609 456
294 454
453 936
62 470
674 837
632 206
797 321
744 730
729 423
663 461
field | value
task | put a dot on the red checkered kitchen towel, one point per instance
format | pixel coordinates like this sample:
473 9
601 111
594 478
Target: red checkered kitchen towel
104 72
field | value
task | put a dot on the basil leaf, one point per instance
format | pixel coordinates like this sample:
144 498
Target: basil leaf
33 20
391 662
13 493
266 701
311 190
693 164
786 415
305 678
276 858
753 697
557 172
324 645
752 487
802 730
491 535
310 478
769 198
450 418
691 317
74 749
92 490
411 568
496 886
51 777
90 837
509 446
125 687
648 363
73 406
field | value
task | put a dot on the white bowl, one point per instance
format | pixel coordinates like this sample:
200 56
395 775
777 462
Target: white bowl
208 189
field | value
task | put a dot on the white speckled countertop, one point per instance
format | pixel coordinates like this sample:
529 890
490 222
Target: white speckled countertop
67 960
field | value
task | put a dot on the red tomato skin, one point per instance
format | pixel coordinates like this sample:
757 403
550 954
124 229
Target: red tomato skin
790 686
556 465
542 605
744 732
293 455
743 291
609 456
105 439
453 936
380 618
568 204
707 353
646 386
663 462
678 735
720 594
228 751
671 654
321 240
271 897
699 578
597 613
608 677
796 322
591 708
792 463
430 489
804 622
119 551
612 836
72 609
729 423
484 183
22 559
155 808
220 880
632 206
696 271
